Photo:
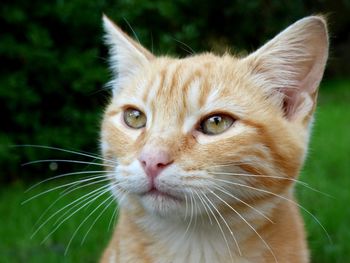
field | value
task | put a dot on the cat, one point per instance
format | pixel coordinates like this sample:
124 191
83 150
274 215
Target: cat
209 149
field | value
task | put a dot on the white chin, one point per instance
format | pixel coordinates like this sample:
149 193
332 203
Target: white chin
162 205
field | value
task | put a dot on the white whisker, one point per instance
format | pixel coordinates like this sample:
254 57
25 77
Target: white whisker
63 175
227 164
273 177
112 218
73 202
114 215
67 151
191 217
60 197
66 161
186 211
220 227
94 222
205 208
279 196
240 200
82 223
74 206
256 232
258 175
61 186
95 198
82 180
194 208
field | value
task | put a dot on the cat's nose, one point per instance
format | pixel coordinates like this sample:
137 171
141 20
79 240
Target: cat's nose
154 161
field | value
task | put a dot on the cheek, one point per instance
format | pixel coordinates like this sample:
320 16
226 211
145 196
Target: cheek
120 145
214 150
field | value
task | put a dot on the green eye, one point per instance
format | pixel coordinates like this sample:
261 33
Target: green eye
216 124
134 118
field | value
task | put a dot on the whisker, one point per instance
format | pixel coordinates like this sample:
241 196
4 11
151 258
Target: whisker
238 199
273 177
67 151
66 161
60 197
205 208
73 207
259 175
191 217
200 196
76 205
186 207
63 175
95 198
71 203
75 183
282 197
201 214
86 218
61 186
226 164
112 218
220 227
194 208
93 223
256 232
114 215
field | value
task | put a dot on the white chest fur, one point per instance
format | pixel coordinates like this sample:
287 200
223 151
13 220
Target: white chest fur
200 242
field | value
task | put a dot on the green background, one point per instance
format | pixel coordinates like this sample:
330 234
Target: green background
52 76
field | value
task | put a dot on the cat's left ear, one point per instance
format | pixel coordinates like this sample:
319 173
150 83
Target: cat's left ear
127 56
291 65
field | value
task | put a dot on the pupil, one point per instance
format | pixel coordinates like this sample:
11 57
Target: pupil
136 114
217 120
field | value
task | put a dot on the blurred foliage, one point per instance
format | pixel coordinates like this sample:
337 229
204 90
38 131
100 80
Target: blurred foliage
53 61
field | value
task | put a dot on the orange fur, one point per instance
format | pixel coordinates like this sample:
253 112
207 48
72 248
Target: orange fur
271 94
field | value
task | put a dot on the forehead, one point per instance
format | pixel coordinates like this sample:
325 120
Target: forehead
184 88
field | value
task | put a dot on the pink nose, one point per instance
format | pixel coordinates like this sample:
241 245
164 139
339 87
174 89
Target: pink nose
154 161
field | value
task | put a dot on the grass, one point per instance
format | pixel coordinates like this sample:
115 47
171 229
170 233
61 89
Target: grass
326 169
18 224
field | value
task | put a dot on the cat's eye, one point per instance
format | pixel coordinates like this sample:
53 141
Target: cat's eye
216 124
134 118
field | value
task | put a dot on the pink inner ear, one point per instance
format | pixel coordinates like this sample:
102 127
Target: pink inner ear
291 104
309 82
289 101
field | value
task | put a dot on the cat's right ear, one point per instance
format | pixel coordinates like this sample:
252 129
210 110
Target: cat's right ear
127 56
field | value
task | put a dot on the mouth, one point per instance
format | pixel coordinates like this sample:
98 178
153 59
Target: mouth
156 193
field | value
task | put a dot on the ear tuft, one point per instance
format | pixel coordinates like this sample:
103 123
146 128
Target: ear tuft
291 65
127 56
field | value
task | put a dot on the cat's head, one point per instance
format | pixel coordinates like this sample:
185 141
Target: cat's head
210 129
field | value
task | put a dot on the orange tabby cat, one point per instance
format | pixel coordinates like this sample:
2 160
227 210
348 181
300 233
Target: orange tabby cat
209 148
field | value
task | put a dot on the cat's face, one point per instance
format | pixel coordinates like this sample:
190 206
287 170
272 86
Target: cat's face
196 132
